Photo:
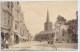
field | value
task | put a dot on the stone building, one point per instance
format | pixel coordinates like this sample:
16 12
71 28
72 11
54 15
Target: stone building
6 20
61 33
48 33
12 23
47 24
19 30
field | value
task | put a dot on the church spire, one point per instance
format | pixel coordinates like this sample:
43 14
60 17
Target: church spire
47 20
47 24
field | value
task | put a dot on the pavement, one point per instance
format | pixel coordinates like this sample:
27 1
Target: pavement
34 45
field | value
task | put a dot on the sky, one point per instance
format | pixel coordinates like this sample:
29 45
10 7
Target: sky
35 13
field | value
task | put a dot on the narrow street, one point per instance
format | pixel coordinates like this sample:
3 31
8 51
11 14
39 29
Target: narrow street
32 45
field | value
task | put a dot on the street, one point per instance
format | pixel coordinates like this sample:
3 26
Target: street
34 45
42 26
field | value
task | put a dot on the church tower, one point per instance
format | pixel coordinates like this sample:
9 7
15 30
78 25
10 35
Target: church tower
47 24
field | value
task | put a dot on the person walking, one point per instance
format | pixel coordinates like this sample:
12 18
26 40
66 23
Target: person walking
7 44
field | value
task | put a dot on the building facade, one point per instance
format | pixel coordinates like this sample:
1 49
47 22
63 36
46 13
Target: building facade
61 33
6 20
58 34
13 28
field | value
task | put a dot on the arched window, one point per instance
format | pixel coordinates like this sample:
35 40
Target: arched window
16 38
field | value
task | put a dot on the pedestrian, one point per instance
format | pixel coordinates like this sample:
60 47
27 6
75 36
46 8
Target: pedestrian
7 44
48 41
2 44
39 40
2 35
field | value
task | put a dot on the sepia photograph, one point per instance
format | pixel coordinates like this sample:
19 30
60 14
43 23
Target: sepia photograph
39 25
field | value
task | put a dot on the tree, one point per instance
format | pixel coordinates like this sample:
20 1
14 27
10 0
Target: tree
61 20
72 26
72 29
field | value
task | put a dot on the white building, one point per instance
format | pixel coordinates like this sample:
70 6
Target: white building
61 33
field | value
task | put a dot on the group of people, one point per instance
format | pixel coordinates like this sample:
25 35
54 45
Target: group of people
50 41
4 41
4 44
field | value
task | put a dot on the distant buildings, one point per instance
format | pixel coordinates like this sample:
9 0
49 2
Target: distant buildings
66 32
59 34
47 24
48 33
13 28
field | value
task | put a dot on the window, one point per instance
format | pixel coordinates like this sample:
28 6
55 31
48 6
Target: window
12 5
27 31
62 39
68 40
17 2
56 39
8 22
16 25
8 4
9 19
63 32
17 11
